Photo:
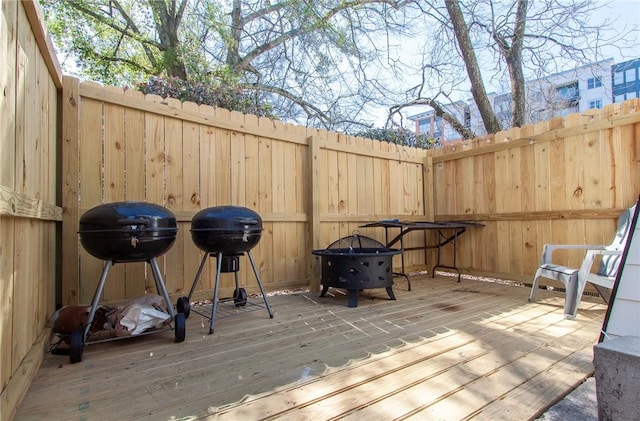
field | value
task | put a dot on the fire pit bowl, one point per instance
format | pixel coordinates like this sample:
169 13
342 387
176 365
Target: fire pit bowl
355 263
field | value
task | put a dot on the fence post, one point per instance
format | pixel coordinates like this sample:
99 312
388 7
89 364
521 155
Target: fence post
70 150
314 212
427 170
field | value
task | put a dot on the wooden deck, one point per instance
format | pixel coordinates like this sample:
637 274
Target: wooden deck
445 351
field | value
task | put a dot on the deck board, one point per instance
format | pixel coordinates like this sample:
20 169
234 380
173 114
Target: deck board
446 350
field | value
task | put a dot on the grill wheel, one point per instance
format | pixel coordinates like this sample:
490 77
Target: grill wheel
240 297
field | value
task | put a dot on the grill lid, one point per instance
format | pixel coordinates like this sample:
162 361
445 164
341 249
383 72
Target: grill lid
226 218
127 231
226 229
125 217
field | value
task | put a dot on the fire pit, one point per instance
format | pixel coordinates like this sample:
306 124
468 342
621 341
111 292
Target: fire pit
355 263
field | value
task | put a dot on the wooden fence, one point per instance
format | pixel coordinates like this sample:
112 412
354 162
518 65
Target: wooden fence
66 147
562 181
29 94
310 187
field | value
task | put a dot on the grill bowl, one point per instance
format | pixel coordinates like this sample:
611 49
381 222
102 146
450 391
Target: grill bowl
127 231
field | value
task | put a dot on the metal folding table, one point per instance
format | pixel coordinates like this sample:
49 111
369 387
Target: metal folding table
448 232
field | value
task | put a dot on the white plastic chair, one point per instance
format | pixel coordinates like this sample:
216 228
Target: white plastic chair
575 279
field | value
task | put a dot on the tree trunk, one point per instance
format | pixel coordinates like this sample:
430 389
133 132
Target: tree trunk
167 23
514 63
233 47
489 119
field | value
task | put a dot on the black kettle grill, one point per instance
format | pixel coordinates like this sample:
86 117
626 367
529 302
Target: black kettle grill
226 232
127 232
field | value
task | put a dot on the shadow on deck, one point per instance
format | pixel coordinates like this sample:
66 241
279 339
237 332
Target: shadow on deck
446 351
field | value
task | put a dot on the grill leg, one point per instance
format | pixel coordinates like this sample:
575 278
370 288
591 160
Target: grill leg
216 289
264 295
198 274
235 274
96 297
160 286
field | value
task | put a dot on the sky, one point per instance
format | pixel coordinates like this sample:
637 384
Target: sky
625 14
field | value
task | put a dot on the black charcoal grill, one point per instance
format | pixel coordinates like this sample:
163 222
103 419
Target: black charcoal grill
226 232
127 231
355 263
123 232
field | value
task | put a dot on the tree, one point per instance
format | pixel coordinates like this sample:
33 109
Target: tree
327 63
311 60
494 40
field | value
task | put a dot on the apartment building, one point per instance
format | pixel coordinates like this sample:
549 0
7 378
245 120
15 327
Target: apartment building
626 80
591 86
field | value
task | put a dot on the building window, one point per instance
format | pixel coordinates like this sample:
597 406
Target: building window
618 78
424 125
596 103
568 93
631 95
594 82
630 75
619 98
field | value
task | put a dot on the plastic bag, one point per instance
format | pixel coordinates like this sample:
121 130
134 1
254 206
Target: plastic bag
148 311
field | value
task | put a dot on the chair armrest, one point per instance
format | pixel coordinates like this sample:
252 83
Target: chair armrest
548 249
587 263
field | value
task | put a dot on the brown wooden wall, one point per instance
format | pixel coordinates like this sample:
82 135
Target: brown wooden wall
29 94
563 181
310 187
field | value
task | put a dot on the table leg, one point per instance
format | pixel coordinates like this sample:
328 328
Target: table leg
440 245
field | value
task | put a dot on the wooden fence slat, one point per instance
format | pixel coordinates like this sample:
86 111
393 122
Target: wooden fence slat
175 169
7 262
114 183
7 85
91 187
191 201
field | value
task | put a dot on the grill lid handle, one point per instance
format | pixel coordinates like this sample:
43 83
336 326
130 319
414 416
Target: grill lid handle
246 221
133 221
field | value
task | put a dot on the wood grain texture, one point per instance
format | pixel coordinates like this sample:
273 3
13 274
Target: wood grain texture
30 210
267 165
444 350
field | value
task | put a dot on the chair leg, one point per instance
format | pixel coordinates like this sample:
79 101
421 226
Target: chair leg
534 287
604 292
572 296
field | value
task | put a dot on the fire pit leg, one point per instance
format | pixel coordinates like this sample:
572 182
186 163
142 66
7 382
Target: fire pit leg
353 297
325 288
391 294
